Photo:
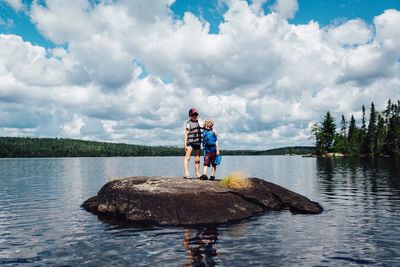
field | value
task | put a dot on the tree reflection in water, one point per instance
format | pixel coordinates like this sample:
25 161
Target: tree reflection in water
200 245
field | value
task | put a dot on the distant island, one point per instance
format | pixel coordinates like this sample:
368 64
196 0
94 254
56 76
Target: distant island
26 147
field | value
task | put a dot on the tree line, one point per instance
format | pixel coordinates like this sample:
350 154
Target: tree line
26 147
379 135
12 147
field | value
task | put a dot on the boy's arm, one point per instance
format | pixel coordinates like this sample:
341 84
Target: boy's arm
185 139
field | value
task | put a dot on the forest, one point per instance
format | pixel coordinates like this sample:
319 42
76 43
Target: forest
23 147
11 147
377 135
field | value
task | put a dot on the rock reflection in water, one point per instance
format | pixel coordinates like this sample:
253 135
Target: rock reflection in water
200 246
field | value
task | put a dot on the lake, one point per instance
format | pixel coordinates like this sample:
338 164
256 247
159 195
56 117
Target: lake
41 222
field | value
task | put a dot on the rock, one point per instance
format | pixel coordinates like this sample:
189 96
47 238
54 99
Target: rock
334 155
179 201
309 156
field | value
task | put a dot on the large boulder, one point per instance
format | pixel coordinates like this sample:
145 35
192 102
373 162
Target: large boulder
178 201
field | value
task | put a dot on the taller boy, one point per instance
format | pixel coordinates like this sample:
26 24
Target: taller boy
192 141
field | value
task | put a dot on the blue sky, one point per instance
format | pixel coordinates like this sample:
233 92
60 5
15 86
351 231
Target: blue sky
325 12
129 70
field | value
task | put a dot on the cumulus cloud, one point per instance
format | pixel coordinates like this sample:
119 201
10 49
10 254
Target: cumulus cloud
286 8
73 128
128 71
352 32
25 63
386 26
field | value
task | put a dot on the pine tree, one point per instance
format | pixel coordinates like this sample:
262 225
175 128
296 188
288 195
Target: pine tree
352 129
363 134
380 135
363 121
317 132
392 141
328 130
387 111
343 127
371 134
353 137
341 144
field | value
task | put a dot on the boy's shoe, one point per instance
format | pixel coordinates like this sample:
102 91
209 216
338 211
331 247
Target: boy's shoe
203 177
212 178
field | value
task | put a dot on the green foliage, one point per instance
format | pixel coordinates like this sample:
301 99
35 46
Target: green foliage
59 147
392 140
13 147
381 137
290 150
325 134
370 141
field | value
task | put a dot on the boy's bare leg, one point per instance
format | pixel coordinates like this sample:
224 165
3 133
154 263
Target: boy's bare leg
186 160
205 170
197 162
214 169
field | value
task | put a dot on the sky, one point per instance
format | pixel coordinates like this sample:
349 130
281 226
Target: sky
129 70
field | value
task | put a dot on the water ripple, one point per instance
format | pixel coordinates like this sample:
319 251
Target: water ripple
41 222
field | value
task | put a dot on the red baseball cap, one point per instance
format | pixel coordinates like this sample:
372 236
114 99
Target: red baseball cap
193 111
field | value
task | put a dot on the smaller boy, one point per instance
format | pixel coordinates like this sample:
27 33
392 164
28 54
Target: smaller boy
211 149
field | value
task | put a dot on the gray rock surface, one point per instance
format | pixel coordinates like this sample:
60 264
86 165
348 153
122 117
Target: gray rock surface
178 201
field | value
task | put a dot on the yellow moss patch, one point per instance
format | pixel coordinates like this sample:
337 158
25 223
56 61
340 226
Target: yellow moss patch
237 180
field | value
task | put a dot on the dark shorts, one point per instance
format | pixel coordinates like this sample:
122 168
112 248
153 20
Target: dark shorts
209 158
194 146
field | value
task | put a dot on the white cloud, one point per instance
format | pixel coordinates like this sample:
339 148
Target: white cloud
73 128
387 26
16 4
367 63
6 23
129 71
29 64
63 21
352 32
286 8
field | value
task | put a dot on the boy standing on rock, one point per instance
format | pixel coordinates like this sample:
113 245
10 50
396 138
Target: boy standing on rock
211 149
192 142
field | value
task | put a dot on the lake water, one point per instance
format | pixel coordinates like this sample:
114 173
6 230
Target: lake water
41 222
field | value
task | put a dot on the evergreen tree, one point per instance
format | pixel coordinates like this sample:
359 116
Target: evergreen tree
317 132
387 111
343 126
328 128
352 129
371 134
353 137
325 134
363 134
380 135
392 142
363 121
341 144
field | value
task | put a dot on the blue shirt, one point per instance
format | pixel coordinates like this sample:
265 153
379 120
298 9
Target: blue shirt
209 141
